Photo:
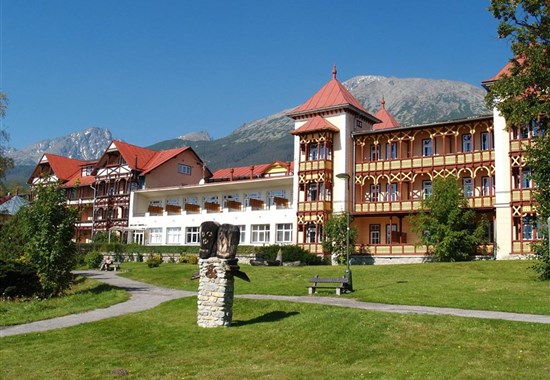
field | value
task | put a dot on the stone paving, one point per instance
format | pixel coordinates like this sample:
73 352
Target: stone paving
144 296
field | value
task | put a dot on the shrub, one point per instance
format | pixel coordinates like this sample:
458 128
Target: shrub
290 253
542 262
18 279
186 258
154 261
93 259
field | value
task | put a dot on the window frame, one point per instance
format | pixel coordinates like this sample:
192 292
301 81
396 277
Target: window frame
467 143
192 235
468 183
171 235
374 234
283 233
184 169
260 233
427 147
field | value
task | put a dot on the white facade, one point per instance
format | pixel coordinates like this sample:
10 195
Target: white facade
156 220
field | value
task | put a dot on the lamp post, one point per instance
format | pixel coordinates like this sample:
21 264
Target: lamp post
346 176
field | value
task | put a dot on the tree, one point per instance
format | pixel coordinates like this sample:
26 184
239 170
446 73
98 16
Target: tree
12 241
6 163
523 96
335 236
446 225
48 227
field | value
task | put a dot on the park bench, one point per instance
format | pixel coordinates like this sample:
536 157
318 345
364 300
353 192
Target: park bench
106 266
338 283
115 266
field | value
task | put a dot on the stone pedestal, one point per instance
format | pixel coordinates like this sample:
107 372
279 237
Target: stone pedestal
216 292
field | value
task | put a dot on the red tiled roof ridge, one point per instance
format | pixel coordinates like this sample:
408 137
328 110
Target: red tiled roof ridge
249 170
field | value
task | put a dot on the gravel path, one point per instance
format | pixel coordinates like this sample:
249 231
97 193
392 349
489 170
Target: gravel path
145 296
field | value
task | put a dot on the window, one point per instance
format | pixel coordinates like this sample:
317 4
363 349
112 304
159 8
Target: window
173 235
155 235
374 233
283 233
391 192
313 233
526 182
486 186
389 229
192 235
358 123
468 187
374 193
184 169
260 233
374 152
527 228
311 192
466 143
393 154
313 154
427 147
484 142
426 189
242 235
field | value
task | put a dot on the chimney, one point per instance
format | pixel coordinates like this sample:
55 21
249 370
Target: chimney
231 174
252 172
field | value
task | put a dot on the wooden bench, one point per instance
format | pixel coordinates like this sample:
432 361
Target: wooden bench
338 283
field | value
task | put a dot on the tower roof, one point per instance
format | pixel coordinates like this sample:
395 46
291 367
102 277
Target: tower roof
316 124
387 119
332 95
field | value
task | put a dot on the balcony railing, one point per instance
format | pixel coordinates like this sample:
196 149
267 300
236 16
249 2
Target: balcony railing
428 161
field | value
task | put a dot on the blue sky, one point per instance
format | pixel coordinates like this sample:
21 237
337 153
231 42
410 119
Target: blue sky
150 70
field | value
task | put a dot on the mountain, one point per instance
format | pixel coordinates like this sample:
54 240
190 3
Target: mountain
196 136
411 101
87 144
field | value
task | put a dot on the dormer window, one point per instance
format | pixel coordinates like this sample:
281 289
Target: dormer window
184 169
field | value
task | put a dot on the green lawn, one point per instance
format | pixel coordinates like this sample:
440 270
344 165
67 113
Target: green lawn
485 285
285 340
86 294
280 340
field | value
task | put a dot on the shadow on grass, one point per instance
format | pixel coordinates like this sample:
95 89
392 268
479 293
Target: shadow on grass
273 316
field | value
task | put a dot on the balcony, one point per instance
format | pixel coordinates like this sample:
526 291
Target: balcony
428 161
315 165
314 206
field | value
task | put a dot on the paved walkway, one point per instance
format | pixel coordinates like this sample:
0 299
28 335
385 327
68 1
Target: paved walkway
145 296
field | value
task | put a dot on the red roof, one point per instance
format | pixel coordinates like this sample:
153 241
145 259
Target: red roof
161 157
387 119
316 124
62 167
249 172
135 156
80 181
505 71
331 95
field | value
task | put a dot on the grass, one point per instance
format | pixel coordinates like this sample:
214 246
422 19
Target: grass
281 340
86 294
485 285
284 340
